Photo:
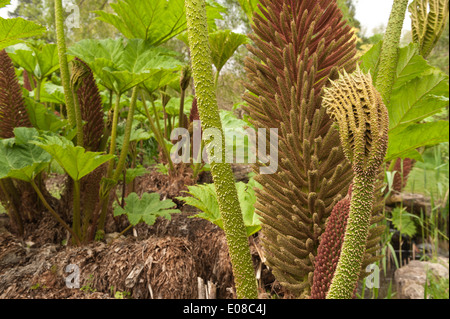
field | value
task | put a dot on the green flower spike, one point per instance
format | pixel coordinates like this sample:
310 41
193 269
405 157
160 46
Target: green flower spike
358 109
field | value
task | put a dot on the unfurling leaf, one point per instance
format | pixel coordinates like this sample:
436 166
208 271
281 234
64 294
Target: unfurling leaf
146 209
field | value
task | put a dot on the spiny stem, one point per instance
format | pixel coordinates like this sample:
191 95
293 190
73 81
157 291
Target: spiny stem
244 275
64 67
354 246
389 50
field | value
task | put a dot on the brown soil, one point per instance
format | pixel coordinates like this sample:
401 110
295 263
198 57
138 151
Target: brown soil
160 261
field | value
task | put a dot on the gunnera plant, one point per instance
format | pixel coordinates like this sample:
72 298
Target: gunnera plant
298 46
362 118
330 248
12 106
12 114
90 105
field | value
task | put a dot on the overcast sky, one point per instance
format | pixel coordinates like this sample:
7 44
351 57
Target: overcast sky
371 14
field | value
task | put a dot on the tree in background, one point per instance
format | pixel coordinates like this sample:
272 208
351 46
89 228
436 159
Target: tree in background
41 11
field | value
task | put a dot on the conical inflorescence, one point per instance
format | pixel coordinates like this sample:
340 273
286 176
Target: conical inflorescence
12 106
330 249
91 105
298 46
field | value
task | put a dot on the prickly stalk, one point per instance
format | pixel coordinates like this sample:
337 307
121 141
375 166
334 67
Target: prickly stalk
239 251
357 107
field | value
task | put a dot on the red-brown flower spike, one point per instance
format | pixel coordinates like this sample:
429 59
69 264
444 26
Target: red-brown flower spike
298 46
330 249
12 106
90 104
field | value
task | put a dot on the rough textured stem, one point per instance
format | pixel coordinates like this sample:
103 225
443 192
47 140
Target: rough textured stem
245 281
354 246
389 50
65 75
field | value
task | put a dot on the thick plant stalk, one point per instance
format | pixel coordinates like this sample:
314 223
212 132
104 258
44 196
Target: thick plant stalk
64 66
363 122
244 275
389 50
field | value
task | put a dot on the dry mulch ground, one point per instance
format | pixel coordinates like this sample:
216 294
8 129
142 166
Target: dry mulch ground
165 260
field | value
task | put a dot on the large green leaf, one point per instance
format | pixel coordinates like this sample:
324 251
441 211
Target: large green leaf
73 159
155 21
418 99
20 159
13 30
39 61
161 78
121 65
42 118
250 7
404 142
369 61
52 93
419 92
223 44
146 209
